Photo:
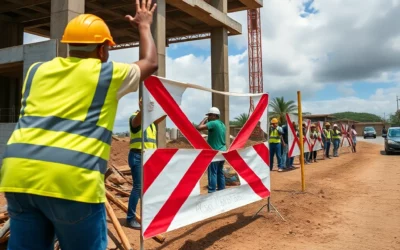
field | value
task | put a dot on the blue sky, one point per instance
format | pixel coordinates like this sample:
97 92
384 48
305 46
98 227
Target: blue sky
339 57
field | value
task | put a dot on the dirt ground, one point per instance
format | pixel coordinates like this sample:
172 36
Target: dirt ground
351 202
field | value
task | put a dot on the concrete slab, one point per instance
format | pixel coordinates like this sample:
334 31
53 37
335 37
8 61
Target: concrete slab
208 14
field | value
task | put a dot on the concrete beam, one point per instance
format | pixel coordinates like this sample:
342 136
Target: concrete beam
12 54
158 31
252 4
212 16
62 11
18 4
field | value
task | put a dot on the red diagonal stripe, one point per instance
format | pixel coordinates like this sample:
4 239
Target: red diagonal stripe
155 165
246 173
263 151
164 217
293 131
171 108
245 132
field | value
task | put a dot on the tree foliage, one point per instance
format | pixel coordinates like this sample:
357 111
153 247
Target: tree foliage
395 119
240 120
360 117
279 108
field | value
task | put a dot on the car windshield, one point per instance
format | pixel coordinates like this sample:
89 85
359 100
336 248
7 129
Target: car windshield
394 132
369 129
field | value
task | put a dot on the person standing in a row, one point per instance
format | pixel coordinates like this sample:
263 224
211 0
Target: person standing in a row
275 134
328 139
314 135
336 135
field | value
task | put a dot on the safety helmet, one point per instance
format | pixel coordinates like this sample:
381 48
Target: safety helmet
335 125
87 29
214 111
274 120
327 124
313 125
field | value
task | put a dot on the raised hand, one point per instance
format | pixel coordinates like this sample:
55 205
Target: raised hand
144 13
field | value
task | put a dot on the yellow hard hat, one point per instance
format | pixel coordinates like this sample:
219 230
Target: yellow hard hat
313 125
87 29
274 120
327 124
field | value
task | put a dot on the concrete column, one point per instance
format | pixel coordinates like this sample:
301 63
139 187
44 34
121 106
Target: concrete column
62 11
158 31
219 67
13 35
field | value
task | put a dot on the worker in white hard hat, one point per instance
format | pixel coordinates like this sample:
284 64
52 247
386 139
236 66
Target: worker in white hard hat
216 139
336 135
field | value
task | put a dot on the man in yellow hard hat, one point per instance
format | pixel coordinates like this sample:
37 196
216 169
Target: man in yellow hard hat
336 135
54 163
275 138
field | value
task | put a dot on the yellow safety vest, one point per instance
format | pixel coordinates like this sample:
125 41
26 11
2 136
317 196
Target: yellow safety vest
335 135
274 136
327 133
61 143
150 137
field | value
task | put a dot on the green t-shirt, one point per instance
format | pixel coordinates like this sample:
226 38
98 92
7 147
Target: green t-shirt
216 135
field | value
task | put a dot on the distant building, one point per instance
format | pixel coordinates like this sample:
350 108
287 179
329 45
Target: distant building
319 117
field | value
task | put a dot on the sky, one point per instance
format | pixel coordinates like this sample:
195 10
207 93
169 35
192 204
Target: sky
343 55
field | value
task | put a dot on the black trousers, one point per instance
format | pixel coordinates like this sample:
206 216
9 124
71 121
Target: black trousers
313 155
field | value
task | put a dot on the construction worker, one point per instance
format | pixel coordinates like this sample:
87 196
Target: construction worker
284 146
135 158
328 139
353 136
314 135
336 135
216 139
54 162
305 140
275 136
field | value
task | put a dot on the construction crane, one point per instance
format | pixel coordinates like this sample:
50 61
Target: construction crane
255 54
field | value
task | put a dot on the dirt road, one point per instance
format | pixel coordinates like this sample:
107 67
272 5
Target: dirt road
351 202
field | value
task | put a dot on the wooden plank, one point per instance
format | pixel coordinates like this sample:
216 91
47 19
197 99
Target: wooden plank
120 191
117 226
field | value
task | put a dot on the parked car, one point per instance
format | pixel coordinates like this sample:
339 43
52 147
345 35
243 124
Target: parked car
369 132
392 140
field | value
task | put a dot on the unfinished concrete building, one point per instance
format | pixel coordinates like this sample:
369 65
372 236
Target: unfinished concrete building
175 21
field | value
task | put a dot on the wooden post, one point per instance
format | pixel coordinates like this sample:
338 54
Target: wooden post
124 207
300 116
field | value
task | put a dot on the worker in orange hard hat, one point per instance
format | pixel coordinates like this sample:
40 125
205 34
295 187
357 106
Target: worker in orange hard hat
55 161
275 139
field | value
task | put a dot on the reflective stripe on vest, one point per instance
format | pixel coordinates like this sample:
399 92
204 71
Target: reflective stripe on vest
63 157
150 138
274 136
327 133
335 135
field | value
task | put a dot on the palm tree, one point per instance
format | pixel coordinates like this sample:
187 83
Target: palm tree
240 120
279 108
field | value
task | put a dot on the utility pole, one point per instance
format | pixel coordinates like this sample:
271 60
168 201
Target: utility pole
397 100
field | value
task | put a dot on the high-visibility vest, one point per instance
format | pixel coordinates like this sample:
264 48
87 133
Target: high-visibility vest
327 133
150 136
274 136
62 141
335 134
314 135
